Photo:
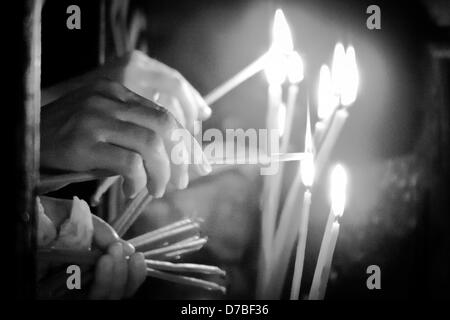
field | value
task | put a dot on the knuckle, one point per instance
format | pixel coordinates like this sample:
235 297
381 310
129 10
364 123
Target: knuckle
178 80
88 126
165 119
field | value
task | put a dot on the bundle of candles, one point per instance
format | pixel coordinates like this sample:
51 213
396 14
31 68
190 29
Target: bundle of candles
160 247
337 91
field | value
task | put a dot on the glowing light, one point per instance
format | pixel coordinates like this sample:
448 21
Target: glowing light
338 190
338 69
281 118
351 78
295 68
275 69
281 33
326 100
282 45
307 170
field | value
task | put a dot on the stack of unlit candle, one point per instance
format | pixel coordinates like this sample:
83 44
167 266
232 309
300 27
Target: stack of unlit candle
166 243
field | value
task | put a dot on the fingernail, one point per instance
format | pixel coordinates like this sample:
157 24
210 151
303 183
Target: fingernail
159 194
184 181
128 248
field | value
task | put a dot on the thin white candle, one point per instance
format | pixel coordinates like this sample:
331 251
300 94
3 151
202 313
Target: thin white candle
308 171
327 102
290 218
337 124
301 245
338 201
276 72
236 80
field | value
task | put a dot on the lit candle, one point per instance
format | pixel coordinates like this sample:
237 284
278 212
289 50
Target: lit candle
295 76
307 173
327 102
276 72
243 75
345 81
290 219
338 200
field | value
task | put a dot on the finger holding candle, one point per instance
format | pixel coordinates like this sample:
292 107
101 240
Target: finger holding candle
338 191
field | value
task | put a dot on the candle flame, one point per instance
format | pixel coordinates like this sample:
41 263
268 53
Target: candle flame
327 102
295 68
338 190
351 78
281 33
282 45
338 69
307 168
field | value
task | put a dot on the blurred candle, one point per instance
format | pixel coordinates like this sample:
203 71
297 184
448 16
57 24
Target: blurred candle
345 81
330 139
338 200
290 218
327 102
338 70
276 72
295 76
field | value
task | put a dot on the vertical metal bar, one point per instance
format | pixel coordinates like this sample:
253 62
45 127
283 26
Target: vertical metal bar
24 166
102 33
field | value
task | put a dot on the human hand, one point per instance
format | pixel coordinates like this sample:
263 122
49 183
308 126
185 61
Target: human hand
121 270
151 78
147 77
106 126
